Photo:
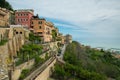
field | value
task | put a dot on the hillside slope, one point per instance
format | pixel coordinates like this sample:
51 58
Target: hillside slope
85 63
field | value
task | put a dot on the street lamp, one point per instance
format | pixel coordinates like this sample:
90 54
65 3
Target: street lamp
10 71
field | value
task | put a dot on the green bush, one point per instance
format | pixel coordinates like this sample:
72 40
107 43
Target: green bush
2 42
34 39
24 74
118 78
28 52
38 60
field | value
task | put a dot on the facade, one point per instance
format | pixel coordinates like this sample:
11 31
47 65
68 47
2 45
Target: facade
68 38
23 17
62 39
18 30
42 28
9 33
5 17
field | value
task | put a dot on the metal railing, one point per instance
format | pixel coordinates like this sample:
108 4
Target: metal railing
39 70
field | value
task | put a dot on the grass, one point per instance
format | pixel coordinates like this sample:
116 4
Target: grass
3 42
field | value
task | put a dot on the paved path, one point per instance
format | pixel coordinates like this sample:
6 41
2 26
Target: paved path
60 57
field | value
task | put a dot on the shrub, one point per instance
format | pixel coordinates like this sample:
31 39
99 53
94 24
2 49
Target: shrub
24 74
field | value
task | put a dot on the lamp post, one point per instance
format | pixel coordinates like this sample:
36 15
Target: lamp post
11 68
10 71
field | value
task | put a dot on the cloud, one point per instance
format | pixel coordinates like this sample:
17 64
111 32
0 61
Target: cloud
90 18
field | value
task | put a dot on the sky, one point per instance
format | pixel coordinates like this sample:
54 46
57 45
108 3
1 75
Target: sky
91 22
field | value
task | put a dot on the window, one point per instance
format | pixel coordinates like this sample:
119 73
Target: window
16 32
20 32
18 20
39 32
40 22
32 22
48 32
31 26
40 27
41 36
47 29
21 14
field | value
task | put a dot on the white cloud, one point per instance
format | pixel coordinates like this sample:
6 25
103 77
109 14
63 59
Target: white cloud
98 17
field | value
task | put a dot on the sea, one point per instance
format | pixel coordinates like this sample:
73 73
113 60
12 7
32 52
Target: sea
101 43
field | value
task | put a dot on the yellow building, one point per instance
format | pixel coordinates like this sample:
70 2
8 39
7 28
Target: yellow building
42 28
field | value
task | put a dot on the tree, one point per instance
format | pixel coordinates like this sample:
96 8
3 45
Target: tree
5 4
34 39
24 73
54 35
36 48
59 72
38 60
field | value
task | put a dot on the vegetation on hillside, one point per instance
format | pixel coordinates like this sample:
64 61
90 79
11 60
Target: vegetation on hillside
54 35
34 39
30 50
27 52
85 63
2 42
5 4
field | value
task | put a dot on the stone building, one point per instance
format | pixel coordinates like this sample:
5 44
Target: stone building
18 30
68 38
62 39
6 17
23 17
42 28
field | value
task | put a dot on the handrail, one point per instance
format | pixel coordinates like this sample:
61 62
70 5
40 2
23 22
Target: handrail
34 74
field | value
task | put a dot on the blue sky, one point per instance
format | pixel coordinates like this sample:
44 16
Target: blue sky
91 22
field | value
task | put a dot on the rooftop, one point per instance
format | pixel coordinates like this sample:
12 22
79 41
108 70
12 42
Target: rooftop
25 10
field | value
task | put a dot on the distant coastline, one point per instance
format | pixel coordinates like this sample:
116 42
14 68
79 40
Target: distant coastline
102 45
111 48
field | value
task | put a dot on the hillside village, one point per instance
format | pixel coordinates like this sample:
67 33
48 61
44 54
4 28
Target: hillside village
21 28
33 48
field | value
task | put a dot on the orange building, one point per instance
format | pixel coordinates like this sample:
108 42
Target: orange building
42 28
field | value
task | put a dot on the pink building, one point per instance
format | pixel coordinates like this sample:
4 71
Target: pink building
23 17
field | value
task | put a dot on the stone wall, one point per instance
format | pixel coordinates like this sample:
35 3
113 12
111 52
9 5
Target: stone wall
4 60
5 16
47 72
29 64
9 50
53 45
4 33
17 72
